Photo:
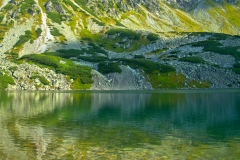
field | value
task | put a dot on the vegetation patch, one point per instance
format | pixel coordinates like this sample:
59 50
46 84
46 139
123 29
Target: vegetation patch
55 17
23 38
117 40
5 80
125 33
152 37
169 80
192 59
55 32
93 58
81 74
197 84
109 67
214 46
38 32
41 79
147 66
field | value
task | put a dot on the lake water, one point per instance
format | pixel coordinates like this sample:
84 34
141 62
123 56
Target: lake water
198 124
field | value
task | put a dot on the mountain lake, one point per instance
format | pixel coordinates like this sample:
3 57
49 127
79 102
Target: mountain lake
168 124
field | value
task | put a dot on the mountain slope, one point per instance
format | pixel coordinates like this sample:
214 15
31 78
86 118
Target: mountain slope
146 43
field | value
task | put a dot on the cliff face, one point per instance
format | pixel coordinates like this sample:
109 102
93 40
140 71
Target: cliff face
146 42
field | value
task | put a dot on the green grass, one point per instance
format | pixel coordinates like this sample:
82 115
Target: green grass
5 80
1 18
55 17
74 7
38 32
83 4
55 32
80 74
109 67
169 80
93 58
41 79
192 59
214 46
197 84
26 6
132 35
24 38
152 37
117 40
147 66
8 7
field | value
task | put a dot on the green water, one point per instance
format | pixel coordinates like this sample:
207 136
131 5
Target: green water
201 124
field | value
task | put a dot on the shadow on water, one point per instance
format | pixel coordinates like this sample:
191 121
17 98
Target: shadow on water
116 119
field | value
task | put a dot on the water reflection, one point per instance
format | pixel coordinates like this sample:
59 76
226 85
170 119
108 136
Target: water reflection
71 125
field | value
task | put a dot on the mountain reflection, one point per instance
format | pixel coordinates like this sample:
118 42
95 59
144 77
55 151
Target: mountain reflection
40 119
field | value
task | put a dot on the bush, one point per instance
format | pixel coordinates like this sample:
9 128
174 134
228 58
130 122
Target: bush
55 32
125 33
213 46
192 59
5 80
152 37
55 17
41 79
237 65
38 32
69 68
139 57
147 66
23 38
93 58
108 67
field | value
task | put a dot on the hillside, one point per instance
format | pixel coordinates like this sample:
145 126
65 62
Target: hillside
106 44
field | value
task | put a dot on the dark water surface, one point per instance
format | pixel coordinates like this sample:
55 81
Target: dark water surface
200 124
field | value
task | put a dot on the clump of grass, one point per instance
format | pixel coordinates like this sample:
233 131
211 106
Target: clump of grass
81 74
147 66
192 59
23 38
55 32
197 84
93 58
214 46
139 56
55 17
41 79
1 18
125 33
5 80
109 67
152 37
38 32
169 80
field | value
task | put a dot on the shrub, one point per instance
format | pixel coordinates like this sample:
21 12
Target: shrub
69 68
55 17
152 37
125 33
147 66
93 58
139 56
5 80
38 32
213 46
108 67
23 38
41 79
55 32
192 59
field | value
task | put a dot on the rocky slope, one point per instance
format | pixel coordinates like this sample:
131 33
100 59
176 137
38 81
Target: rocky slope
117 44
